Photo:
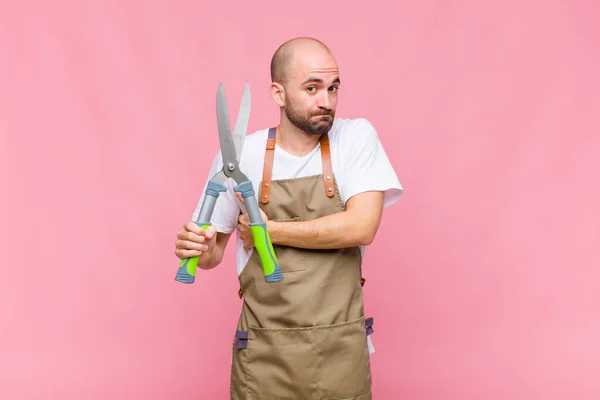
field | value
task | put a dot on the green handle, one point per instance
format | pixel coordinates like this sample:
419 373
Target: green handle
262 243
187 268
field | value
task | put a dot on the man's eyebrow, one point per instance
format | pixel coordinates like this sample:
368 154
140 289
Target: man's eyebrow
313 79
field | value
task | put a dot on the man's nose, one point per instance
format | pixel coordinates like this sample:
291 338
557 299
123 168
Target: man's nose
324 100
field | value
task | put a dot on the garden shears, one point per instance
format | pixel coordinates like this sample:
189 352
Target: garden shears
231 150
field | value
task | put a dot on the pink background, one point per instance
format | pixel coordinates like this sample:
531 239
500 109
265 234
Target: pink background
483 280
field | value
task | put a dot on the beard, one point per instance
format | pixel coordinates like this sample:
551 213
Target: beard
308 124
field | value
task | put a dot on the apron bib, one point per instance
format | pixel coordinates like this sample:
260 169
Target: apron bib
304 337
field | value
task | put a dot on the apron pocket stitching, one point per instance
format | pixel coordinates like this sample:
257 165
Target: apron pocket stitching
344 365
278 375
351 396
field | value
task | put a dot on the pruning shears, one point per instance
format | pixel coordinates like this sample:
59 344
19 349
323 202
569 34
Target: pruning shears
231 150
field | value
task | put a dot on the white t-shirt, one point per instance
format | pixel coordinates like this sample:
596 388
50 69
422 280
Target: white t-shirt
358 160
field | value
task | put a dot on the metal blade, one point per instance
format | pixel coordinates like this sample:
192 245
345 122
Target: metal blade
225 137
241 125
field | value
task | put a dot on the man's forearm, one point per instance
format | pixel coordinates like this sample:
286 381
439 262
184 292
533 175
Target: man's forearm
353 227
212 258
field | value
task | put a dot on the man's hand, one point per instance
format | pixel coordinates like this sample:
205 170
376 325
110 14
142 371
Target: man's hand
193 241
244 226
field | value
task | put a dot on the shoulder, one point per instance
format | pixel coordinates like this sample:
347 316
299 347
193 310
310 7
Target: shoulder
254 145
361 162
353 136
350 131
352 124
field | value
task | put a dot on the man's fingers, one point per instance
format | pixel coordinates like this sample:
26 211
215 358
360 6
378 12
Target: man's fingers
248 244
185 235
245 233
193 232
189 245
181 253
191 236
247 238
191 226
195 238
192 240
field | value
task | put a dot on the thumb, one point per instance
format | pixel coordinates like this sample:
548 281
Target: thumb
210 232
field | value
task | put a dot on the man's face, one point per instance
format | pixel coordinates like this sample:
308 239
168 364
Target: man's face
312 92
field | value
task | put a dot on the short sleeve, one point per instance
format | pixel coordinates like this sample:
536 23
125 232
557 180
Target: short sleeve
227 207
366 164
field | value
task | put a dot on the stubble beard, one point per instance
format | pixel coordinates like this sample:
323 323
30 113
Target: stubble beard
316 126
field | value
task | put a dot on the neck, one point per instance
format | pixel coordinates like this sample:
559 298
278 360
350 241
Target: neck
295 141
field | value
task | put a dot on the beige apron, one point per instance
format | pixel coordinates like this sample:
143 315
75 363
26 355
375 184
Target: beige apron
304 337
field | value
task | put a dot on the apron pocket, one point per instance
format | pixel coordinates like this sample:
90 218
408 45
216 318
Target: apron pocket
343 360
281 363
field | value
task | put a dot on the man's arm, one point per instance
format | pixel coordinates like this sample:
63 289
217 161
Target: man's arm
212 258
354 227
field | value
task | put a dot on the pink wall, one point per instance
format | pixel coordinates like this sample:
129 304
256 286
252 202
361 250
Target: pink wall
483 280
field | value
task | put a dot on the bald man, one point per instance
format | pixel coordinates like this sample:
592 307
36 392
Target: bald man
323 182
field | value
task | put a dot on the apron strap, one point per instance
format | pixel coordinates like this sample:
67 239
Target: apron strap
268 166
326 162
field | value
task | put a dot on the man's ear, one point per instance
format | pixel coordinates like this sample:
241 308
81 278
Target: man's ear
278 94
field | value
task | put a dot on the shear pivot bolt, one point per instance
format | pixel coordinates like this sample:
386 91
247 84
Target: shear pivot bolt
328 177
230 166
330 189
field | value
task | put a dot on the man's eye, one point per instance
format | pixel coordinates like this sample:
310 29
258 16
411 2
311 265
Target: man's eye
333 89
311 88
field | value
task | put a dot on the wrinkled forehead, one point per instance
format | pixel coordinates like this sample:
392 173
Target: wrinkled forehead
313 64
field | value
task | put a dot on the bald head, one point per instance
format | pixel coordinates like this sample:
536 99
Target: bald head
290 51
304 84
